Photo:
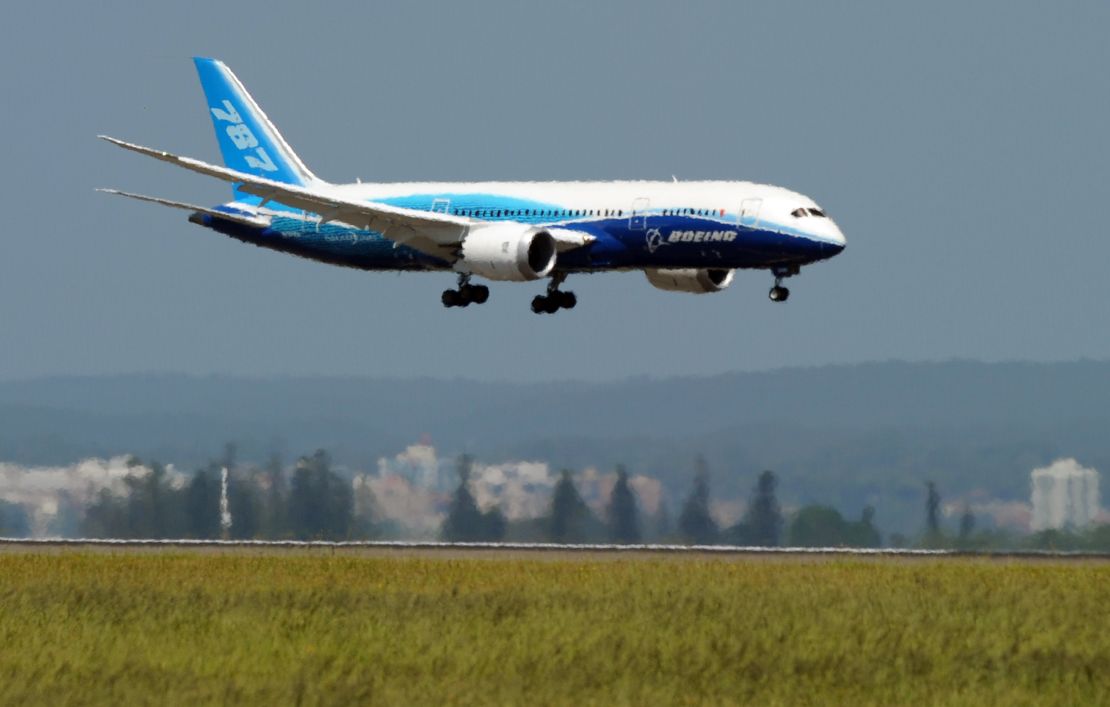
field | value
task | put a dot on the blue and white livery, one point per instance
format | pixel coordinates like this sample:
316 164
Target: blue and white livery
685 236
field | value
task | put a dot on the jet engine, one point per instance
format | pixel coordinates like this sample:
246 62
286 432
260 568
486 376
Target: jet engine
699 281
508 251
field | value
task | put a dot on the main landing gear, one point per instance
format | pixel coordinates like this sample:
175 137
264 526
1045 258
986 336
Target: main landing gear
555 299
779 293
466 294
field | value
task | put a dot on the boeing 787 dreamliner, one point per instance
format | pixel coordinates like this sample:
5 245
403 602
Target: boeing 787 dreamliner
686 236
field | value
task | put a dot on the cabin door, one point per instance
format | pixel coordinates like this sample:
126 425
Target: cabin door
637 219
749 212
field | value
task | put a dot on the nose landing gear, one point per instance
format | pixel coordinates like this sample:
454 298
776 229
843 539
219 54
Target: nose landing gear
466 293
555 299
779 293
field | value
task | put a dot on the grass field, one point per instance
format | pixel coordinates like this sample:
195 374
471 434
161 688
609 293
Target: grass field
187 628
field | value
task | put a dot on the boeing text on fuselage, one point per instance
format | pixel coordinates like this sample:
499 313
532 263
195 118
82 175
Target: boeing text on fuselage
702 237
686 236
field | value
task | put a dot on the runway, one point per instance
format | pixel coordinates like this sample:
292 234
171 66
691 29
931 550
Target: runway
538 550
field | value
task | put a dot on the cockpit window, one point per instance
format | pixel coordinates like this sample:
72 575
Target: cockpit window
799 213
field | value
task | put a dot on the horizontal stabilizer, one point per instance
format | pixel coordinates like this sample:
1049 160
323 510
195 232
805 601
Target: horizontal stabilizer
236 216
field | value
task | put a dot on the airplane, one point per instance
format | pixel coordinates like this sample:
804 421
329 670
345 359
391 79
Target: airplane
686 236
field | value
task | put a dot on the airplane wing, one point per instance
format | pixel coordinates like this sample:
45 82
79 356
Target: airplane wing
437 234
236 216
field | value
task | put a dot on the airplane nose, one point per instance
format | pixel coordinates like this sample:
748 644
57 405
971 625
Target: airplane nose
836 238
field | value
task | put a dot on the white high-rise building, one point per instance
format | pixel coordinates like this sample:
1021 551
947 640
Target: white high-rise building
1065 495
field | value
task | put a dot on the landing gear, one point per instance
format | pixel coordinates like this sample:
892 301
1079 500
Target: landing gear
779 293
478 294
555 299
466 294
549 304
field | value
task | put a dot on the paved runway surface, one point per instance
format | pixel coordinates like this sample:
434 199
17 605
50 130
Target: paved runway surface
536 550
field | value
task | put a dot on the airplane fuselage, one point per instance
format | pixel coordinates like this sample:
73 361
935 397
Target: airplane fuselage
636 224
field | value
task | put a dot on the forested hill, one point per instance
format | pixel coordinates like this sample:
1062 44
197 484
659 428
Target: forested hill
841 434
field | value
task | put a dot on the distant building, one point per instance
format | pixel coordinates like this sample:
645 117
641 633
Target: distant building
1065 495
420 466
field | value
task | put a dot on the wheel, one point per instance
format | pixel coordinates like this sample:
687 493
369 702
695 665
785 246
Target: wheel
539 304
450 298
551 305
479 294
779 294
567 300
466 294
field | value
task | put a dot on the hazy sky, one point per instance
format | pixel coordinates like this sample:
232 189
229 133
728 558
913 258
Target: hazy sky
962 147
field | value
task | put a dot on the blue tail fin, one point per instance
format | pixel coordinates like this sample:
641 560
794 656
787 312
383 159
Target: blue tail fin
248 140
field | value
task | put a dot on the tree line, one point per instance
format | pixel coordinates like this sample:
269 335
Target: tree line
315 502
312 503
571 520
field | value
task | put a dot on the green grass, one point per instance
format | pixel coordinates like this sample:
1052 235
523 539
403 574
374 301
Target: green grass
283 629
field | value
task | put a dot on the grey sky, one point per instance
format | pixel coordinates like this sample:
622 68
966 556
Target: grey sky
961 146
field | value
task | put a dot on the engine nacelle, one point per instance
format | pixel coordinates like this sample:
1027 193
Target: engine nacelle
508 251
699 281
